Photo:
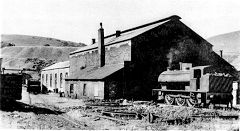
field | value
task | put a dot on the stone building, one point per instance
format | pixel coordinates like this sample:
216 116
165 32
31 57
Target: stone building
127 64
53 77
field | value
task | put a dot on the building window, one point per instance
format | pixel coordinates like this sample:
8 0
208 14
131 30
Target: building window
42 78
84 89
71 88
61 78
50 80
56 80
46 79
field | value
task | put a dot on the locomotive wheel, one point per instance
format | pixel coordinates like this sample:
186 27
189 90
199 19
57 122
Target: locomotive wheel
169 100
191 102
180 101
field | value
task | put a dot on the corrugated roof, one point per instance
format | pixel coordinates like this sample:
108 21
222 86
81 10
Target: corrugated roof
127 34
58 65
174 76
96 73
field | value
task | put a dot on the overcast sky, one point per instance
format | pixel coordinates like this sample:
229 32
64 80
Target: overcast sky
78 20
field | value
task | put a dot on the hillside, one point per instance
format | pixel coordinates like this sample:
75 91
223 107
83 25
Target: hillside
230 44
34 52
34 57
41 52
25 40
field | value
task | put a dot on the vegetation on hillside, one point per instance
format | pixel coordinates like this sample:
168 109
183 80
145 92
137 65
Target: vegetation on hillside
6 44
25 40
34 52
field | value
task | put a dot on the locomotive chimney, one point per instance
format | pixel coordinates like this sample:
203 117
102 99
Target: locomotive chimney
93 41
170 59
118 33
101 48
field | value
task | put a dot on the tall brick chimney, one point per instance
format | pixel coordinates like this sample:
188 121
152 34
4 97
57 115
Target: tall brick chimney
101 48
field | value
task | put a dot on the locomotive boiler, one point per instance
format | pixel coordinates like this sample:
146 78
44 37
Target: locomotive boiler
194 86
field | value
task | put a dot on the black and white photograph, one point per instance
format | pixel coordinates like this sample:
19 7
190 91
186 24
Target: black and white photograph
120 65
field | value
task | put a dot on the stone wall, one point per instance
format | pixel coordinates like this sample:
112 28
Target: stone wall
117 53
93 89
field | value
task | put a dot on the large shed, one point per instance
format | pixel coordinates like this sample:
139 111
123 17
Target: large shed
143 53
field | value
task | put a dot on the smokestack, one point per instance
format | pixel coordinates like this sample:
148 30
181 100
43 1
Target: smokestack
101 48
221 53
170 59
93 41
118 33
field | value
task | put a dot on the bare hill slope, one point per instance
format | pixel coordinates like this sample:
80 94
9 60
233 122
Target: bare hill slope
25 40
34 52
41 52
230 44
34 57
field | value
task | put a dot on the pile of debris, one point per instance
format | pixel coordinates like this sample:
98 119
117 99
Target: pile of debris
171 114
152 112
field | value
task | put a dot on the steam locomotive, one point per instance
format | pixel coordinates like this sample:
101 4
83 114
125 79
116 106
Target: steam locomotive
194 86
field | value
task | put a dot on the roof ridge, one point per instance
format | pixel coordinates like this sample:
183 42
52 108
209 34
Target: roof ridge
173 17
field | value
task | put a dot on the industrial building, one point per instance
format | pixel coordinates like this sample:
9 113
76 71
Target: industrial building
53 77
127 63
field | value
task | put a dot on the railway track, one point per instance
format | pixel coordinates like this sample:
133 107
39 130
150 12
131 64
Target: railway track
59 115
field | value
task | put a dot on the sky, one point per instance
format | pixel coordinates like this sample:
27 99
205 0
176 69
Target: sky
78 20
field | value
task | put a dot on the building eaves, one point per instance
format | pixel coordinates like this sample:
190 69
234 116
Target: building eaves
96 73
59 65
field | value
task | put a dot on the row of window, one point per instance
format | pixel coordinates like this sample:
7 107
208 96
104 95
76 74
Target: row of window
51 79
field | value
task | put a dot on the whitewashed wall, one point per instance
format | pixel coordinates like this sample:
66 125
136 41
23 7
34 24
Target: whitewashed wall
54 85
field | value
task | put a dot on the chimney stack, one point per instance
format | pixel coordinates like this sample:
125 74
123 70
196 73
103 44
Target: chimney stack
101 48
93 41
221 53
118 33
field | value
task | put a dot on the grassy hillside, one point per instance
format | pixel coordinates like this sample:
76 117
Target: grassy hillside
34 52
34 57
25 40
41 52
230 44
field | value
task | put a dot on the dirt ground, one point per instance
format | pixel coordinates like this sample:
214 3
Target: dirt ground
49 111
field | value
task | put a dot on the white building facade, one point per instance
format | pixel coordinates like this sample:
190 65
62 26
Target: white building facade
53 77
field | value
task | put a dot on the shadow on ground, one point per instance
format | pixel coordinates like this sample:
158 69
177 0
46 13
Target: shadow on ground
11 106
